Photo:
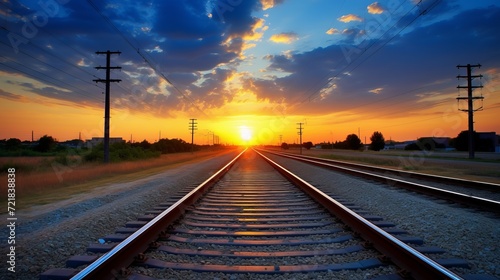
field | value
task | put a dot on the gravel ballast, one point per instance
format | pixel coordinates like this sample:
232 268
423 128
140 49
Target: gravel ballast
463 233
45 239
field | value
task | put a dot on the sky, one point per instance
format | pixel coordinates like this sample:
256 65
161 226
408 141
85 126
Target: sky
248 71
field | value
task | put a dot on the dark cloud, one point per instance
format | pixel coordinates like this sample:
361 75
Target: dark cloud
178 38
407 67
184 20
236 15
11 96
184 40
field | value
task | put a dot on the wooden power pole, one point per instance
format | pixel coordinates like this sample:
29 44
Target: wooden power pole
300 134
470 102
107 81
192 128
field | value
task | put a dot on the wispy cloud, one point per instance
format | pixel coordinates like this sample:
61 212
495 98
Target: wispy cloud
332 31
375 8
349 18
82 63
376 90
284 38
13 97
268 4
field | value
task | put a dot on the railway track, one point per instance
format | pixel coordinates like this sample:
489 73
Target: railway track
248 219
479 195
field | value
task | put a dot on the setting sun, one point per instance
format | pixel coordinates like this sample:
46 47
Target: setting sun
245 133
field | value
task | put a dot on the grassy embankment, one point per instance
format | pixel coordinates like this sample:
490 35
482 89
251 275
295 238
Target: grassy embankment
42 180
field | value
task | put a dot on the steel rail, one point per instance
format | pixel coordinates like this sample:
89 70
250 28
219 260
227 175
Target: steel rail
124 254
468 200
405 174
413 262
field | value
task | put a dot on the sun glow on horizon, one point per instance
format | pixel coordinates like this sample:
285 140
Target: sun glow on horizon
245 133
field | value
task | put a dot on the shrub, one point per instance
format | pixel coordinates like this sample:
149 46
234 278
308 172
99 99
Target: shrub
120 152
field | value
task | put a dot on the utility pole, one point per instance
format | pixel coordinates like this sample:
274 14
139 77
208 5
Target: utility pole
470 102
108 81
192 128
281 140
300 134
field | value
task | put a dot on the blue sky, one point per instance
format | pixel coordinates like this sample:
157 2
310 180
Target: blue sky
334 64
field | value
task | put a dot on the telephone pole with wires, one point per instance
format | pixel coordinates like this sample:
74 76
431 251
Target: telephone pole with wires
108 82
300 134
470 102
192 128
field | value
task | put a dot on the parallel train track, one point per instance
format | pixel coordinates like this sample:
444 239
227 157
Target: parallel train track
417 182
249 219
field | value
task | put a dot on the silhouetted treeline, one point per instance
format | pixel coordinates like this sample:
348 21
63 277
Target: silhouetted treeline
352 142
166 146
483 142
49 146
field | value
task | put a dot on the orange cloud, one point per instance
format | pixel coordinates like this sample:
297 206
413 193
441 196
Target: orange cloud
257 31
349 18
268 4
375 8
82 63
284 38
332 31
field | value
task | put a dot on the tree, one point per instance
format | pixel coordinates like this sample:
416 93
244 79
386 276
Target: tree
13 144
378 141
284 146
461 142
45 144
145 144
307 145
353 142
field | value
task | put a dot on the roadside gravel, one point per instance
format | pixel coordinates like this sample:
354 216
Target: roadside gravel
47 238
463 233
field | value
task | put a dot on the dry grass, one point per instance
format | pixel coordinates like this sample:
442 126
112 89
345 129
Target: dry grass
34 182
29 164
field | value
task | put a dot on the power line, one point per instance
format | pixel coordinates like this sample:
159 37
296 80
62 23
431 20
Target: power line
158 72
335 76
326 86
37 77
399 32
44 50
41 74
49 65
